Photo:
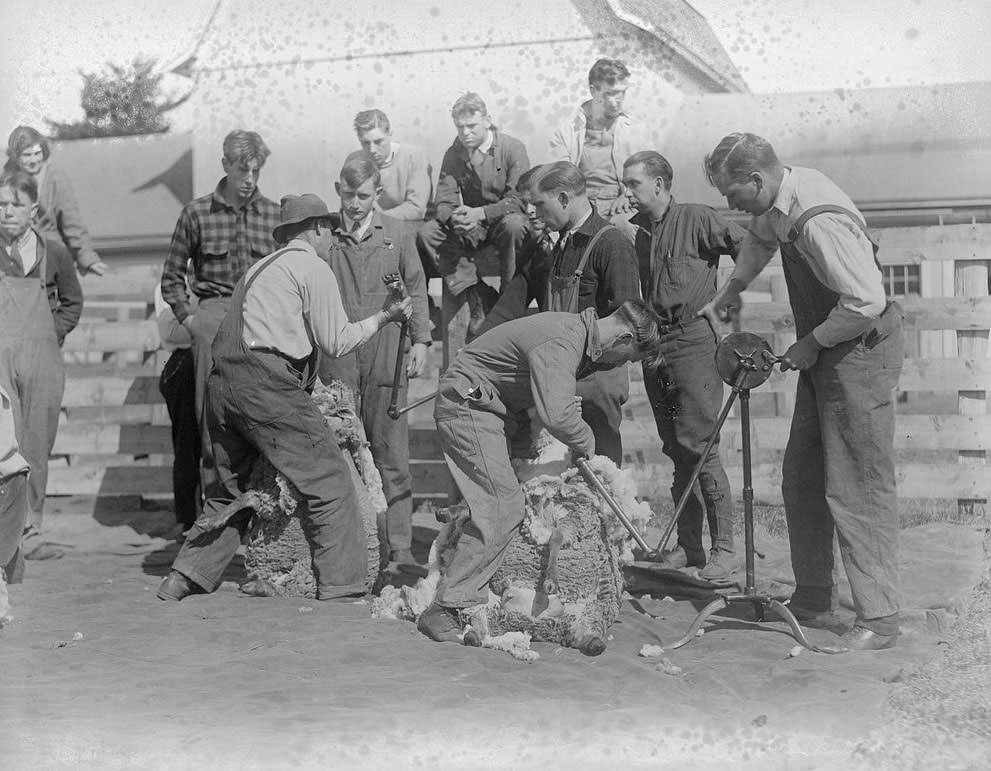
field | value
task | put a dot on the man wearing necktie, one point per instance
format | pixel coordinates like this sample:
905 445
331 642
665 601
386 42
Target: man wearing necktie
368 246
40 303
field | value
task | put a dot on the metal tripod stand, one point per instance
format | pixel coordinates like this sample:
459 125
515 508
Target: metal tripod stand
744 361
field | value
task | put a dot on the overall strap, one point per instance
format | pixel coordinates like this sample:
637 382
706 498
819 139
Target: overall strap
580 268
813 211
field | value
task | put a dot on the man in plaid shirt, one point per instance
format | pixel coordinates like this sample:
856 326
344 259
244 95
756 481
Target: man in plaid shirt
222 234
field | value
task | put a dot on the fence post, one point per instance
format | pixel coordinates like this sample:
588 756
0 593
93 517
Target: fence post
970 279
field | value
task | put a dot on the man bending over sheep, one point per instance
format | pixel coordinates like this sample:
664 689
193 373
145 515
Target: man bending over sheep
528 362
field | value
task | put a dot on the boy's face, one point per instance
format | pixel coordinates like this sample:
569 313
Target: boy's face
357 202
16 211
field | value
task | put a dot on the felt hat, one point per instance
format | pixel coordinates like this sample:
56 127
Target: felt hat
298 208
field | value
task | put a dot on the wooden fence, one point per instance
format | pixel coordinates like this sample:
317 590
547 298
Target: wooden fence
115 441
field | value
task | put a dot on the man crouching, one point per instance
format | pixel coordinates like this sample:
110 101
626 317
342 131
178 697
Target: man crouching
528 362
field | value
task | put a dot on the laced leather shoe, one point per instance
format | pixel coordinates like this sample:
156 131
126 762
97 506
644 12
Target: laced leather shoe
720 566
441 624
176 586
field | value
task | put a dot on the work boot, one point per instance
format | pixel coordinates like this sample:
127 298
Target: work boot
720 566
176 586
860 638
441 624
817 619
678 558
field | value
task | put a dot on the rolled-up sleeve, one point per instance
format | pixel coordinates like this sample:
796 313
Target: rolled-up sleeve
843 259
758 247
324 311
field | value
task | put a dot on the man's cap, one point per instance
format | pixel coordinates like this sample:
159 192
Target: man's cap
298 208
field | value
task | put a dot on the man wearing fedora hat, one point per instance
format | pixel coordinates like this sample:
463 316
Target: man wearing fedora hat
284 312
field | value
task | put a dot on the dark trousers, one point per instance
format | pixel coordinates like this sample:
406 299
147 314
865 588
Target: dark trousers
686 395
603 395
210 312
256 406
177 385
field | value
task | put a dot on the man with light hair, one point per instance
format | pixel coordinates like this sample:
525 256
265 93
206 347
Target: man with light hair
218 236
591 266
598 138
477 202
838 472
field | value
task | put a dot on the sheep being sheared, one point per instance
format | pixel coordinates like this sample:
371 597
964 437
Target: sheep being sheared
560 580
277 558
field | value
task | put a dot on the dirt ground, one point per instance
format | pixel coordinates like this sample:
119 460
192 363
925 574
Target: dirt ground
95 672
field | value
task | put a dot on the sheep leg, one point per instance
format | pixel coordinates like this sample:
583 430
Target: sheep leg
551 579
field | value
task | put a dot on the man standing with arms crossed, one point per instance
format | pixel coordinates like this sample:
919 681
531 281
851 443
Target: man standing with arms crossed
678 247
838 472
368 246
223 234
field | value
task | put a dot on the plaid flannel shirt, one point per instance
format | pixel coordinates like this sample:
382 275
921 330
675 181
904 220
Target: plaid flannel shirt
222 241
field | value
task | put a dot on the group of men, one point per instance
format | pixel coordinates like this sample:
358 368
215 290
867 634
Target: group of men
621 272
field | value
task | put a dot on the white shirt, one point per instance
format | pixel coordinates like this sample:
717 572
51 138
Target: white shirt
27 247
838 253
563 237
295 305
362 228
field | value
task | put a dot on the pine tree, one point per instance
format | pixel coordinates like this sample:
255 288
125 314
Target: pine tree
120 101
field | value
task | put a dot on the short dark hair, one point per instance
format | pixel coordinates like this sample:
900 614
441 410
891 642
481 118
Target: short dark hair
20 182
468 103
655 164
244 146
366 120
607 72
645 325
20 139
738 156
360 168
559 175
523 183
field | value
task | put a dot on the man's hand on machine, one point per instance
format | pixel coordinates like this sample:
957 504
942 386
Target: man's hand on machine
802 354
397 310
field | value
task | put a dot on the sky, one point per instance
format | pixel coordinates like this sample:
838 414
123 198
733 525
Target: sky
793 45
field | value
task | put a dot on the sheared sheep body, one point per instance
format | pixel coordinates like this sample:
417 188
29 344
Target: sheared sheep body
593 545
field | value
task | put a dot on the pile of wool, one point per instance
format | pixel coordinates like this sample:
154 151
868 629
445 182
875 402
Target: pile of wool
278 559
568 534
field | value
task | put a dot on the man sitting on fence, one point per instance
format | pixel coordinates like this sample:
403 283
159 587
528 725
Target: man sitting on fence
838 472
477 205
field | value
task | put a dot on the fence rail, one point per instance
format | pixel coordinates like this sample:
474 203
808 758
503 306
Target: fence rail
115 438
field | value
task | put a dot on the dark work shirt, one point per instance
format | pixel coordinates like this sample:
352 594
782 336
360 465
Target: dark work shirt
610 277
489 181
678 257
